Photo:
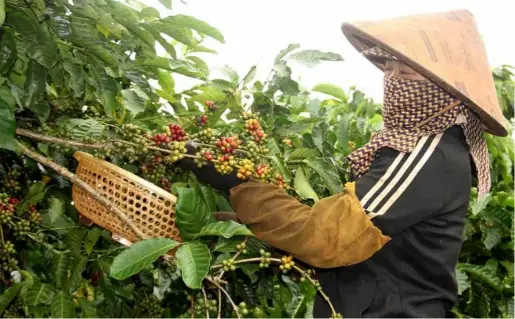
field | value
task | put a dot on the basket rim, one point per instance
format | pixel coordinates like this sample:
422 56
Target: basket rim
82 156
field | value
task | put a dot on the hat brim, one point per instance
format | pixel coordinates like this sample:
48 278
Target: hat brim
363 41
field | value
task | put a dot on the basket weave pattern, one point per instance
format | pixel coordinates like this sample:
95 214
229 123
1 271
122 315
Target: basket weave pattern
149 207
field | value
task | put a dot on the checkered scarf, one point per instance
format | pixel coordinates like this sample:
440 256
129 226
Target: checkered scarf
408 103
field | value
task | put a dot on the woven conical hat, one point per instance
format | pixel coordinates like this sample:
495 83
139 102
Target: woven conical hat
446 48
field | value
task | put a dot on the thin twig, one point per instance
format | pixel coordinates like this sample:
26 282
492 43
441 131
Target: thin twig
326 298
193 301
242 261
234 257
219 304
77 181
57 140
234 307
278 261
205 301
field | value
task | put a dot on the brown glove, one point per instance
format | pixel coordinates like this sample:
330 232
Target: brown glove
334 232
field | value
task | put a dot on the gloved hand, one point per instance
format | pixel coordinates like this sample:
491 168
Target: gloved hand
208 174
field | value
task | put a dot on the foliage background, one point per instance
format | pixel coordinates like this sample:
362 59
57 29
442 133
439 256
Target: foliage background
83 70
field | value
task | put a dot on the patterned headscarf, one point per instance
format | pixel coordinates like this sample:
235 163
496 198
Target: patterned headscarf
407 104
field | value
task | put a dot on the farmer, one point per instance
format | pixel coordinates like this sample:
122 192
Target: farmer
388 244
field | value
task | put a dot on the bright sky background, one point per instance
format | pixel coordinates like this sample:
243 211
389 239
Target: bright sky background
256 30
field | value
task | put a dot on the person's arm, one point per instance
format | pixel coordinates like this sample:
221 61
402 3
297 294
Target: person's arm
398 191
334 232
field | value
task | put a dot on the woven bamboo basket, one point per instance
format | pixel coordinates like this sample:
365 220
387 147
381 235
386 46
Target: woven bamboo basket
149 207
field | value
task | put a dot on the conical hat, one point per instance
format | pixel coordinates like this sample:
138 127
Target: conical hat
444 47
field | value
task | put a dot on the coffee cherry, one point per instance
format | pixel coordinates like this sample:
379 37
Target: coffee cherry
225 164
228 145
176 132
201 120
246 169
252 125
6 213
211 106
21 228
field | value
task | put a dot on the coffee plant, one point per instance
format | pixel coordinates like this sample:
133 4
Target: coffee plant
87 76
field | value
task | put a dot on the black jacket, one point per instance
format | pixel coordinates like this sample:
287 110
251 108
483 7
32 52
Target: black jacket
420 200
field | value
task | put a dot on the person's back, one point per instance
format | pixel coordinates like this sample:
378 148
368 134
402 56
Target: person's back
413 275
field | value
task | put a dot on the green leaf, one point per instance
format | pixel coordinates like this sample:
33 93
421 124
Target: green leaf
197 25
226 229
43 50
193 259
106 90
302 186
320 135
231 74
176 31
140 255
8 295
222 204
149 13
250 75
484 273
40 293
81 128
491 236
62 306
332 90
35 83
7 124
91 239
8 52
313 58
88 309
167 3
35 194
200 64
225 245
170 49
76 80
481 204
62 267
41 109
2 12
302 153
166 81
278 163
76 274
343 130
132 101
328 174
463 281
283 52
192 211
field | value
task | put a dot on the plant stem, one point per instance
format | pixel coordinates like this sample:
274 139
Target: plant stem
219 304
205 301
296 268
2 234
57 140
234 307
326 298
77 181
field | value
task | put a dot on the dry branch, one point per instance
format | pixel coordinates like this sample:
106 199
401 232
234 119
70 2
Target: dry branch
77 181
220 288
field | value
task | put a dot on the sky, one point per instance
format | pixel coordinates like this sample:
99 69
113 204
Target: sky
256 30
